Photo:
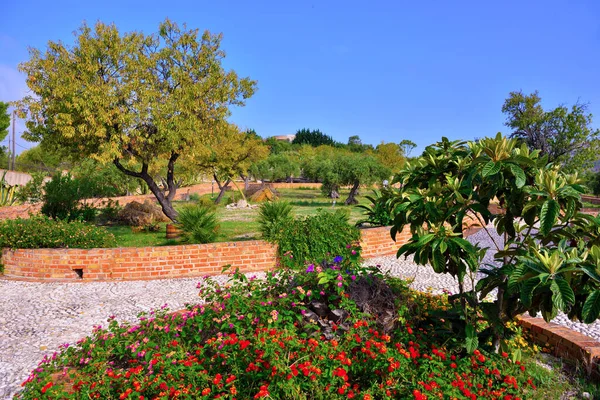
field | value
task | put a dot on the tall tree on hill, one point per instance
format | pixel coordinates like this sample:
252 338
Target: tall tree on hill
314 138
132 99
564 135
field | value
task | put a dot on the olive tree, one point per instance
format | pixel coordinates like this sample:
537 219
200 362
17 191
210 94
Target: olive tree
132 99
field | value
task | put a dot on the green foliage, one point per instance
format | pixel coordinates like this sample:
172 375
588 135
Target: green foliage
63 195
594 183
198 223
543 269
32 191
280 166
44 159
125 76
314 138
565 136
4 120
107 180
42 232
272 215
378 213
314 238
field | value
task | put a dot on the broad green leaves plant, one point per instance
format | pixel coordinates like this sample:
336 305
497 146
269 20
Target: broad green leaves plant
546 259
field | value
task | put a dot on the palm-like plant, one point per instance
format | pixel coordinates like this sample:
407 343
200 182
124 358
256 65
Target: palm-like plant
199 224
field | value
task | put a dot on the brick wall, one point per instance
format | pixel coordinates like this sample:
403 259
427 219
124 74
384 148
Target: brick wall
377 242
565 343
133 263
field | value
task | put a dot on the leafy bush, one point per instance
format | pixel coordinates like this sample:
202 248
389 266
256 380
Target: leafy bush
379 212
198 223
317 238
272 215
594 183
550 255
194 197
261 339
43 232
108 212
32 191
63 195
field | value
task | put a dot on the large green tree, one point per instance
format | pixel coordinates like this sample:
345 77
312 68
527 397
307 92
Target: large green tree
564 134
132 99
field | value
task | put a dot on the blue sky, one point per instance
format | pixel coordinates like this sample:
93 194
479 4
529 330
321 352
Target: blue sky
383 70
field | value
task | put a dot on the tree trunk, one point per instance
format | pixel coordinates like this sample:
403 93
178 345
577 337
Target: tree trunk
165 201
246 180
351 197
222 188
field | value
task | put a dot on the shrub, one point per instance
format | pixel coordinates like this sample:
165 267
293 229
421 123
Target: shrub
43 232
108 212
194 197
314 238
272 215
198 223
378 213
32 191
594 183
63 195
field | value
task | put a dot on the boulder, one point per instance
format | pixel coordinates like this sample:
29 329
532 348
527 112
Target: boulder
141 214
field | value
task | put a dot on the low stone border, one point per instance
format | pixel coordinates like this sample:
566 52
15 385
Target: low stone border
566 343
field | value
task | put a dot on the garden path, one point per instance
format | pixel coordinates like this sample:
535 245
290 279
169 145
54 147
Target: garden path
36 318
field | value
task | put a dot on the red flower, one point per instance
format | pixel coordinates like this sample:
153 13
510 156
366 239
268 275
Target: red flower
48 386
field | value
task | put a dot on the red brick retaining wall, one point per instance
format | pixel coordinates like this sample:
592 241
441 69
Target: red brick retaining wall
133 263
565 343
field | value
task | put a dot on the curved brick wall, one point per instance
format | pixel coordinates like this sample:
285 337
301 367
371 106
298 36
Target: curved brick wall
133 263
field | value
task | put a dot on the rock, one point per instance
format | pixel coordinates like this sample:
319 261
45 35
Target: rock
320 308
138 214
586 395
242 204
311 316
338 315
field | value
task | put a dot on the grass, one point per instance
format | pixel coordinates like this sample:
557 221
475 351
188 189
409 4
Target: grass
237 224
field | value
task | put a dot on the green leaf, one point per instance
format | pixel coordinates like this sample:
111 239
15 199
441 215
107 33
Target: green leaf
519 174
471 341
443 246
491 168
591 308
563 295
527 290
548 216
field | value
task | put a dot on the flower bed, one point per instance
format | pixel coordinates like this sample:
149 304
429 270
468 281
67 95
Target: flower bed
329 331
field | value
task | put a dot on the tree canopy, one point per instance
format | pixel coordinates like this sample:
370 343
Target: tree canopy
314 138
564 135
231 154
132 99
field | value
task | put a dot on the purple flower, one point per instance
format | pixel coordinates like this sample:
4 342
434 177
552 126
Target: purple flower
311 268
338 259
353 277
340 284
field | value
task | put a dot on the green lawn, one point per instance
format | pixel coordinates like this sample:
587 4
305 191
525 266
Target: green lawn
241 224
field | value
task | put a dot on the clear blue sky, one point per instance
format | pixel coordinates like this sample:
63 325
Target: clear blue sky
383 70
